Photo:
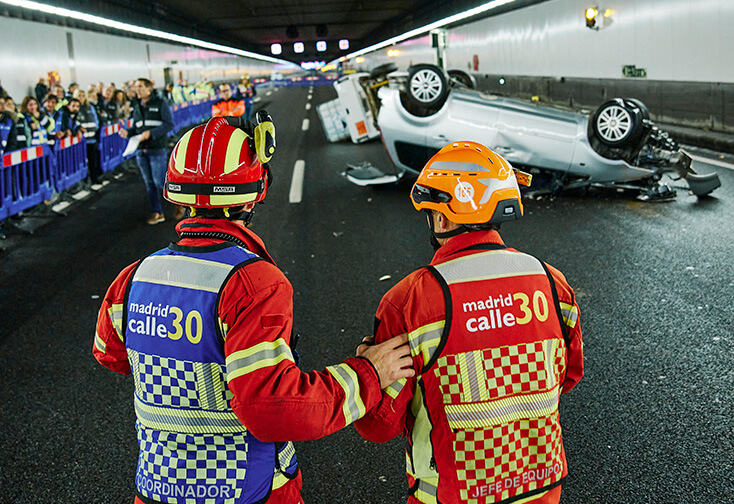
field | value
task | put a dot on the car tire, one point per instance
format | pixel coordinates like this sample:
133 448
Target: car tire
427 86
619 122
380 71
463 79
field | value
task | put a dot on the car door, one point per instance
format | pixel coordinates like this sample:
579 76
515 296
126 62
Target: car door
465 116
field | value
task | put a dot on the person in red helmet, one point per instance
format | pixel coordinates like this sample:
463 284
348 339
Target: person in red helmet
495 339
205 328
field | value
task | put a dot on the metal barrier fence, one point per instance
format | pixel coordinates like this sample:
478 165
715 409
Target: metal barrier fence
27 179
30 176
111 147
71 162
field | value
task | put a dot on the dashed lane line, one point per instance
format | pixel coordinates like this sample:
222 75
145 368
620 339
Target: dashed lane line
305 125
308 106
299 170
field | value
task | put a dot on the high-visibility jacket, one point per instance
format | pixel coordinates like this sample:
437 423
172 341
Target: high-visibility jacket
237 306
45 125
231 107
154 116
181 395
495 339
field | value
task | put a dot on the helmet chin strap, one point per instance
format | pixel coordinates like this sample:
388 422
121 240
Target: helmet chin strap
446 234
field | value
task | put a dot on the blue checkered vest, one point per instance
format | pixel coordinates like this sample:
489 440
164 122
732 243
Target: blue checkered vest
193 447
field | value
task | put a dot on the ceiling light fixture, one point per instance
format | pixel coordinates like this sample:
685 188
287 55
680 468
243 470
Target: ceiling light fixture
436 24
89 18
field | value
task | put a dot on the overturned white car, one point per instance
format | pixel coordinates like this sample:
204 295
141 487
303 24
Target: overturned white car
615 146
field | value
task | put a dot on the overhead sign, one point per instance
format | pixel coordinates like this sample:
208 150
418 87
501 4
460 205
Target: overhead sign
633 72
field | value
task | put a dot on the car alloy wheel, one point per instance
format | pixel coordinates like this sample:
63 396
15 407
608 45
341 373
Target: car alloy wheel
614 124
426 86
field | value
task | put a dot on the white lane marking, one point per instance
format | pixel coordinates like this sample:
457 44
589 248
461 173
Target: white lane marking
81 195
305 125
308 106
58 207
713 162
299 170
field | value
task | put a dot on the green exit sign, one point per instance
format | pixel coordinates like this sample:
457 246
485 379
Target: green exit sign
633 72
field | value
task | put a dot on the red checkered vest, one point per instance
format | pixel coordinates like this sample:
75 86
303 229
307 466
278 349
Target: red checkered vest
487 400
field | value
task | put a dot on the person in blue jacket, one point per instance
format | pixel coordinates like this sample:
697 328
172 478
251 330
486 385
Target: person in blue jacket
152 120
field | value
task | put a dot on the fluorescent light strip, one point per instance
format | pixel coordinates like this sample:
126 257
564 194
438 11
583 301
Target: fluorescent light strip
427 28
81 16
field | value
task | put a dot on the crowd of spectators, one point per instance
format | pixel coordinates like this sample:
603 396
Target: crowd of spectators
53 112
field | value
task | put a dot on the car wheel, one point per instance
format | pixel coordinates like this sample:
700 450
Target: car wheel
618 122
427 86
640 105
463 79
380 71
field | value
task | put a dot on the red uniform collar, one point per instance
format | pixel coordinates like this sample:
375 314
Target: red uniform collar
198 225
464 240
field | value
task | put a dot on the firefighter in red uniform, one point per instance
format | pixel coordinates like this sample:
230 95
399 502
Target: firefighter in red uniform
495 339
205 327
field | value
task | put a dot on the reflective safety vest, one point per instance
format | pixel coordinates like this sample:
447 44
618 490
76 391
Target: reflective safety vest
486 409
231 107
193 447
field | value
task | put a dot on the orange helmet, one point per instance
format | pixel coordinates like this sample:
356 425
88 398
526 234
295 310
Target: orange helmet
215 166
470 184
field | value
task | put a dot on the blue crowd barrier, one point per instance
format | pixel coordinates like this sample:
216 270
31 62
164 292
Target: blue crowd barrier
111 146
30 176
27 179
71 162
181 115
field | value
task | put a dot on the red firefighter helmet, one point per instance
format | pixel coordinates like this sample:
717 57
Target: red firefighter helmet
215 166
470 184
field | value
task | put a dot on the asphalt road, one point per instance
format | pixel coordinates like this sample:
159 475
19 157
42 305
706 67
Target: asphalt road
651 422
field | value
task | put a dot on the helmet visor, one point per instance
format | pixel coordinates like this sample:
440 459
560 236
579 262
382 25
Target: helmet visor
422 194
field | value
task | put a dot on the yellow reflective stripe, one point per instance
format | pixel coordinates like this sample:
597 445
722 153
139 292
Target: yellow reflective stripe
279 479
209 385
285 459
550 350
425 340
286 454
427 491
234 148
265 354
189 421
180 155
570 314
395 387
509 264
232 199
509 409
177 270
471 370
101 345
353 407
115 314
184 199
421 447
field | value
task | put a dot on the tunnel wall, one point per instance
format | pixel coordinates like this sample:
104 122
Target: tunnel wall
675 52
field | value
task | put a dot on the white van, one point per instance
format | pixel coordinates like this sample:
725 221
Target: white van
361 114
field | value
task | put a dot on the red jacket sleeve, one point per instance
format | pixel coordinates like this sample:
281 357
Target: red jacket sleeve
273 398
109 346
571 317
392 416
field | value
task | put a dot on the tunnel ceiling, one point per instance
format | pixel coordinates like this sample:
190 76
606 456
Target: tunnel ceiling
256 24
